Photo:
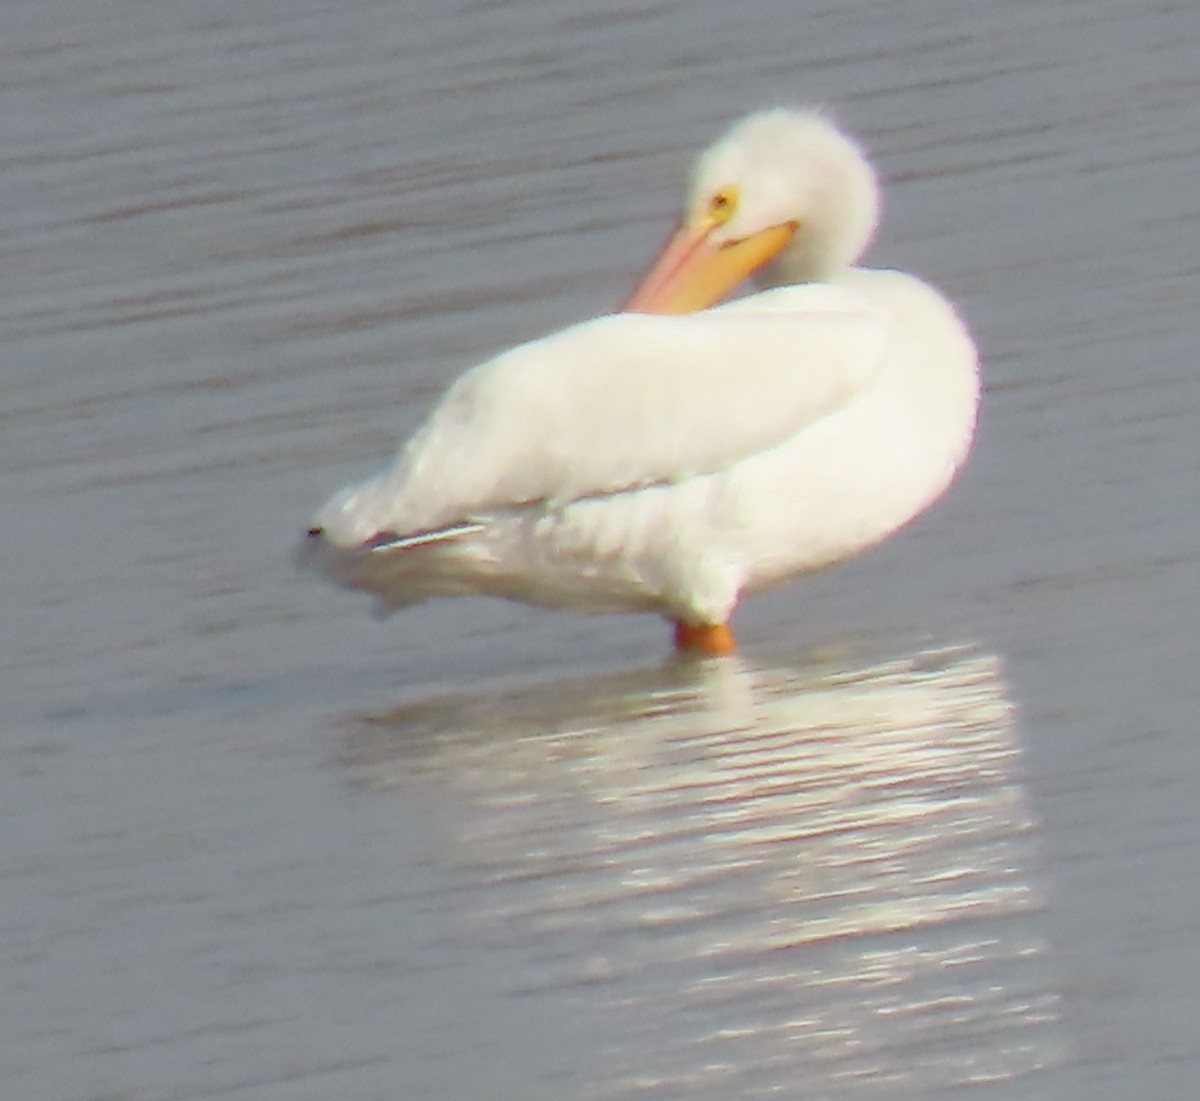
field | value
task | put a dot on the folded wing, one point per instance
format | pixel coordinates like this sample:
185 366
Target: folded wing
622 402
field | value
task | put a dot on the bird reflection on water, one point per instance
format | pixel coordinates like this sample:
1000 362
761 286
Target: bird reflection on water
823 869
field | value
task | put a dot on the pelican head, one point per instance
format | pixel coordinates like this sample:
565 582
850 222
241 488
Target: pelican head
784 196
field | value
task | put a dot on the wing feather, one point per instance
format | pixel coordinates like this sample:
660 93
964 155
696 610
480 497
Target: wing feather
626 401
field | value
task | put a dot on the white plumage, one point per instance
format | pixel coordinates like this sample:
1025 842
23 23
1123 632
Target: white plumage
673 463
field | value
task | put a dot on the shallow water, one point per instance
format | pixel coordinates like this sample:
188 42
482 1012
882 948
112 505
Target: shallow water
932 833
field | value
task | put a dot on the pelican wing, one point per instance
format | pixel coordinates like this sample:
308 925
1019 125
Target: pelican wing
627 401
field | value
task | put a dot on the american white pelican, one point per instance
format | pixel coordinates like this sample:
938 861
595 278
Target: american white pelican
673 464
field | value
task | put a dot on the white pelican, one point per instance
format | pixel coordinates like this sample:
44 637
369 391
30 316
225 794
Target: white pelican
673 464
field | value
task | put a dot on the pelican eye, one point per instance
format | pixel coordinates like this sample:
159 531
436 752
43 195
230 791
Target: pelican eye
723 204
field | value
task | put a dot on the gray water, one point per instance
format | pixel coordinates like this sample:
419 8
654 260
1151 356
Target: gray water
932 833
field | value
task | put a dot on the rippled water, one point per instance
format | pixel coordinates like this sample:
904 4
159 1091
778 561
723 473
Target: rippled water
820 874
932 833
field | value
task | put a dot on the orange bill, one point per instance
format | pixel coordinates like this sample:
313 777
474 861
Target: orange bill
693 273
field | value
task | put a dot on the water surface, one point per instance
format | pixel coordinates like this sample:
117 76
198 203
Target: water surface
932 833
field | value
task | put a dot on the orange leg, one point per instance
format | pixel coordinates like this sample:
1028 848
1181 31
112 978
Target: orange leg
704 638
